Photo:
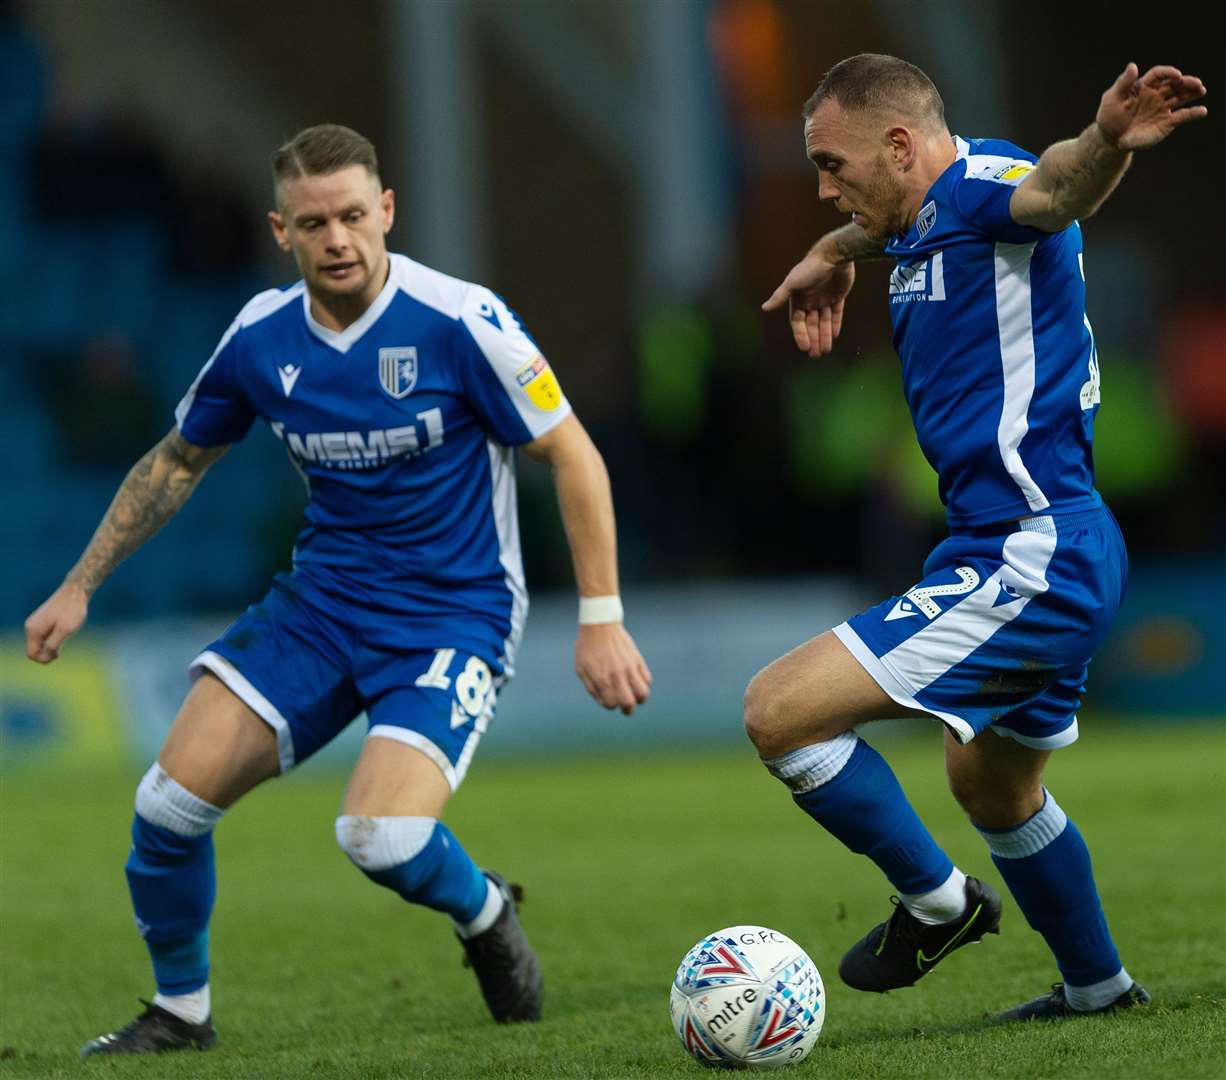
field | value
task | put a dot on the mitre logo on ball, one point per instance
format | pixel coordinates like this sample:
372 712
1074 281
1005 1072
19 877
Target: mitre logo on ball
747 996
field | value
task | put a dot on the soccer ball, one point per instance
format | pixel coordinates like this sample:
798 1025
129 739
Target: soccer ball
747 996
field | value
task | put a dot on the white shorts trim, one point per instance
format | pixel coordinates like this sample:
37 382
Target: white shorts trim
957 632
484 719
418 741
893 686
1047 742
237 683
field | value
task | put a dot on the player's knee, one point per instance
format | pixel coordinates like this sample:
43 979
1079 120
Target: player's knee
761 714
162 801
770 719
375 844
777 721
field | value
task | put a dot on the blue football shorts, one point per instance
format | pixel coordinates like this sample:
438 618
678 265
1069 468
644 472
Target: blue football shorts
1001 629
307 673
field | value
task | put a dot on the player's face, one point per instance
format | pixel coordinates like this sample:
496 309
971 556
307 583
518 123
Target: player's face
336 225
854 171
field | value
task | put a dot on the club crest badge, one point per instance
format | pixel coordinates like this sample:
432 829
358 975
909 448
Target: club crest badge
927 218
398 370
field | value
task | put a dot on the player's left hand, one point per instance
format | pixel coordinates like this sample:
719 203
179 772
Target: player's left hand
610 666
1139 112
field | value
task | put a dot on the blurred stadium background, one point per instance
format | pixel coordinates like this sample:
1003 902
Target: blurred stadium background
630 175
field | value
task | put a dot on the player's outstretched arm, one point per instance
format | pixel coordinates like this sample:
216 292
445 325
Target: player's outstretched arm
816 288
150 496
606 659
1074 177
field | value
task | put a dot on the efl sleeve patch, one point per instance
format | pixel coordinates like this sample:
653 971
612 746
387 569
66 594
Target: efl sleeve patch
983 194
512 385
995 168
1014 173
539 383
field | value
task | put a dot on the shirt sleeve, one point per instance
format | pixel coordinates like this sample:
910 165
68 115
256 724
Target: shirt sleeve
215 411
509 383
982 197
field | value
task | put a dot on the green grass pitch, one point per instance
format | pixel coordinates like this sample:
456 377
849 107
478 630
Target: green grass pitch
626 862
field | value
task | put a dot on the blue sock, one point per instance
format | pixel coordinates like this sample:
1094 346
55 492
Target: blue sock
1046 865
173 885
439 875
848 789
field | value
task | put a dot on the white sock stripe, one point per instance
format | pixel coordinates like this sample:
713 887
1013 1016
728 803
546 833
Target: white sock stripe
379 843
161 800
947 901
195 1007
1031 836
487 916
812 766
1100 994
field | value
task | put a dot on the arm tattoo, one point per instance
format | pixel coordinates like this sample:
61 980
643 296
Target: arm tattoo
1078 174
850 243
150 495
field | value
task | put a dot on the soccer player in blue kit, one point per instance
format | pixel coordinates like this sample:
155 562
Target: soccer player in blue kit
400 395
1002 378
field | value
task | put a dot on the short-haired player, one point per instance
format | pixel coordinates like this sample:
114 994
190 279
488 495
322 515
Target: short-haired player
400 394
1002 378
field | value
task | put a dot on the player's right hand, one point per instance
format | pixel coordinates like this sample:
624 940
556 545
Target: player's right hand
610 666
815 291
60 616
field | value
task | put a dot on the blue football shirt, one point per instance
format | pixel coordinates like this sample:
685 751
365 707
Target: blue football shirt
998 359
402 426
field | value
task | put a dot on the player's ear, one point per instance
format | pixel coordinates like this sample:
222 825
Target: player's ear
387 200
279 232
900 145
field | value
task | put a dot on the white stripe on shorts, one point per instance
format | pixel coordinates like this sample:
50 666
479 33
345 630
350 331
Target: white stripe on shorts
419 742
454 773
888 682
1047 742
470 744
953 635
237 683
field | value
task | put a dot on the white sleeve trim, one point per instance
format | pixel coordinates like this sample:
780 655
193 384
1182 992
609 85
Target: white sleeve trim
998 169
258 308
525 375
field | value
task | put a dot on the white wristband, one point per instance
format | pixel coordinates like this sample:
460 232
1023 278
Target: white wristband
600 609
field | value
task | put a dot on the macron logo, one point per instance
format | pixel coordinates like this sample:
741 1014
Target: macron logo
289 375
489 314
900 611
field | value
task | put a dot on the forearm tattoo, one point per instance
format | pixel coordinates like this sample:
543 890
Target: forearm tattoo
850 243
1083 171
150 495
